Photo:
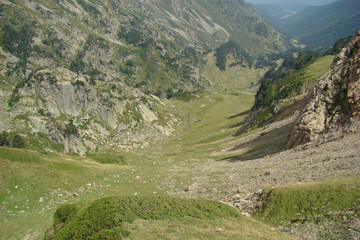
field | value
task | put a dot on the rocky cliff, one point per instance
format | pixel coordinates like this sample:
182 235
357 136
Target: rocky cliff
62 107
334 106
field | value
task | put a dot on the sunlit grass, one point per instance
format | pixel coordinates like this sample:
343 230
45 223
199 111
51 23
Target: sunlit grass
311 202
190 228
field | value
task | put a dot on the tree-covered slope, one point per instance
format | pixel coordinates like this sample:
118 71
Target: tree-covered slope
321 26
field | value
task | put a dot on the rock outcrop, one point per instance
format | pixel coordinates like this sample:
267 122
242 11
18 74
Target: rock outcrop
334 106
79 117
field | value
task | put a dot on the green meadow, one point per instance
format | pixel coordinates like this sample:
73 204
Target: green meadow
34 185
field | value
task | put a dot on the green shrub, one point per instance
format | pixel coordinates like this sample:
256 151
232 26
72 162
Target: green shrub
18 39
233 48
132 36
65 213
11 140
78 83
89 8
70 129
77 66
104 218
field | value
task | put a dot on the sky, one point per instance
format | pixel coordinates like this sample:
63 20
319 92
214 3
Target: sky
306 2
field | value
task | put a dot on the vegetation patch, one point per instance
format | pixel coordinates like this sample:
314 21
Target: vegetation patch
105 218
106 158
233 48
327 201
20 155
278 87
11 140
194 228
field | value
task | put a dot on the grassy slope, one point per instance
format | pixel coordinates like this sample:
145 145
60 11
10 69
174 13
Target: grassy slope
33 185
308 76
42 182
234 78
59 178
286 91
190 228
316 201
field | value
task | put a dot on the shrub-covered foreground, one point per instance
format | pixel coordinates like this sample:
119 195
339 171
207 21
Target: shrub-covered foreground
105 218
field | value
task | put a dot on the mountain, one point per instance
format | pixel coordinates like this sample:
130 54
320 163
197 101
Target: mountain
80 75
321 26
322 99
279 2
276 14
333 109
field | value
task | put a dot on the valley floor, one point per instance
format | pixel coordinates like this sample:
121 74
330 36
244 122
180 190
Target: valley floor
204 161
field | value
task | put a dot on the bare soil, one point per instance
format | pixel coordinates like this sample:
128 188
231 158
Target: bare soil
269 163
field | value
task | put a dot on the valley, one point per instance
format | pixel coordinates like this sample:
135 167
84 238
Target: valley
175 119
162 168
203 160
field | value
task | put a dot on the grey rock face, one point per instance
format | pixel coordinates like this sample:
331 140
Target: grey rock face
334 106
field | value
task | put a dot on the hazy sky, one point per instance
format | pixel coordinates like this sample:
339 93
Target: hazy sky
307 2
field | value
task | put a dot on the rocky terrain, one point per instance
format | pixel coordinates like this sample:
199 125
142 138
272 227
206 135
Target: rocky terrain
114 98
79 117
324 140
79 76
333 108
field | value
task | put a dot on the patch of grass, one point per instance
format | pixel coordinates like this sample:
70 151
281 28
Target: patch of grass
20 155
233 78
106 158
107 216
304 78
33 184
311 202
193 228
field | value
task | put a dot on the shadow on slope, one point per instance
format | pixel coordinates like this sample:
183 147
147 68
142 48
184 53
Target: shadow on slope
265 143
272 138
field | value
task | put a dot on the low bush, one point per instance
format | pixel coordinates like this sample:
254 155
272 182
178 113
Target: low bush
105 218
65 213
11 140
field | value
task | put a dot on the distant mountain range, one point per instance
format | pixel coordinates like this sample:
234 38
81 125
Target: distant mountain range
279 2
315 26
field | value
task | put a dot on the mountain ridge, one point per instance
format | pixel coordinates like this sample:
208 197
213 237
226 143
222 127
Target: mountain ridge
321 26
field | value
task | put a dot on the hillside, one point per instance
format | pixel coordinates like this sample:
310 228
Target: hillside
327 102
128 217
276 14
203 161
282 2
80 76
179 119
321 26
